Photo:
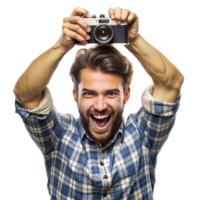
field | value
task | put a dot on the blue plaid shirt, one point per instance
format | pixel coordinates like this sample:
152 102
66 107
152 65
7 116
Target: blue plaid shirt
80 168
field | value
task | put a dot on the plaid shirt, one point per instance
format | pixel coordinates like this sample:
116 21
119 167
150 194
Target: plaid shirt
80 168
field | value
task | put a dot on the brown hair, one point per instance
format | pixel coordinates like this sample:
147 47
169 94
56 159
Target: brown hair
106 59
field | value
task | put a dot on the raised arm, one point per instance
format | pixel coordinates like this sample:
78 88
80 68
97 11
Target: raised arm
28 89
166 77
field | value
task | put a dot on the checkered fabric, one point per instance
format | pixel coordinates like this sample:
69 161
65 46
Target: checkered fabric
80 168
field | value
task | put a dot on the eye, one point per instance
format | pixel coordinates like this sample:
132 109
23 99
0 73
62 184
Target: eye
87 93
112 93
90 93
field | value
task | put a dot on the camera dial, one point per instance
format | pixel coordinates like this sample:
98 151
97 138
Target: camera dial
94 16
101 15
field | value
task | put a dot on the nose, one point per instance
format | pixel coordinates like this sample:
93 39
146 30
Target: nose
100 104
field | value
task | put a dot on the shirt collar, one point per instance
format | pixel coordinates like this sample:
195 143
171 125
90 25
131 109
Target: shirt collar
83 132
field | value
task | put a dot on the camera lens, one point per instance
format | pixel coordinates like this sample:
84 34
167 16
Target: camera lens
103 33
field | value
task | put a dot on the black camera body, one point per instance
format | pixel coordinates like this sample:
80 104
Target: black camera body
107 31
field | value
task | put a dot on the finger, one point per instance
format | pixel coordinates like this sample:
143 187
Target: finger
76 29
78 10
118 12
125 14
111 12
132 17
79 21
73 35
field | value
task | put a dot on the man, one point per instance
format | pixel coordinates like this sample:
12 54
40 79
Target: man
98 156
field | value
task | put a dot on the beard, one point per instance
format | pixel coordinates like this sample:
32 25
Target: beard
116 121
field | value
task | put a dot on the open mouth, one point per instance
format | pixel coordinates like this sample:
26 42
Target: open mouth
101 122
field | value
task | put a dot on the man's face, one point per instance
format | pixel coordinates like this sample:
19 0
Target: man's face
100 102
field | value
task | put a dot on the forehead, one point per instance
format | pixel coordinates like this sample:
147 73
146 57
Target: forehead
97 80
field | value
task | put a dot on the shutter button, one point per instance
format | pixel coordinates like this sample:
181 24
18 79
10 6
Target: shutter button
101 163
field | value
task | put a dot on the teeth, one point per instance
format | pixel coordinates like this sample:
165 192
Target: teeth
100 116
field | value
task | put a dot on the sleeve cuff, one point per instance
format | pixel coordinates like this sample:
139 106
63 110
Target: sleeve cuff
44 108
46 104
153 106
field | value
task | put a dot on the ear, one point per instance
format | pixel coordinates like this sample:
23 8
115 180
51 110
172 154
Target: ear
74 94
127 95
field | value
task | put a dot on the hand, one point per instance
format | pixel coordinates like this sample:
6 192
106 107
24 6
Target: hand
75 28
123 15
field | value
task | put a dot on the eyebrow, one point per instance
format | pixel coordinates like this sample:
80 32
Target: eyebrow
112 90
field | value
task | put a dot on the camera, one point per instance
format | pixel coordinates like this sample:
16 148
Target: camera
106 31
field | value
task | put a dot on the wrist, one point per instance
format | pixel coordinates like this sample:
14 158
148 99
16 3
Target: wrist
134 41
61 48
134 44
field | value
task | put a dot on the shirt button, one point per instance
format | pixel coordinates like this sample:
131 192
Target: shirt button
101 163
105 176
105 194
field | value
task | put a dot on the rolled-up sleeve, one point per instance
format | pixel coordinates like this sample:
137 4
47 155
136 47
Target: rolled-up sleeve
45 125
156 119
45 105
